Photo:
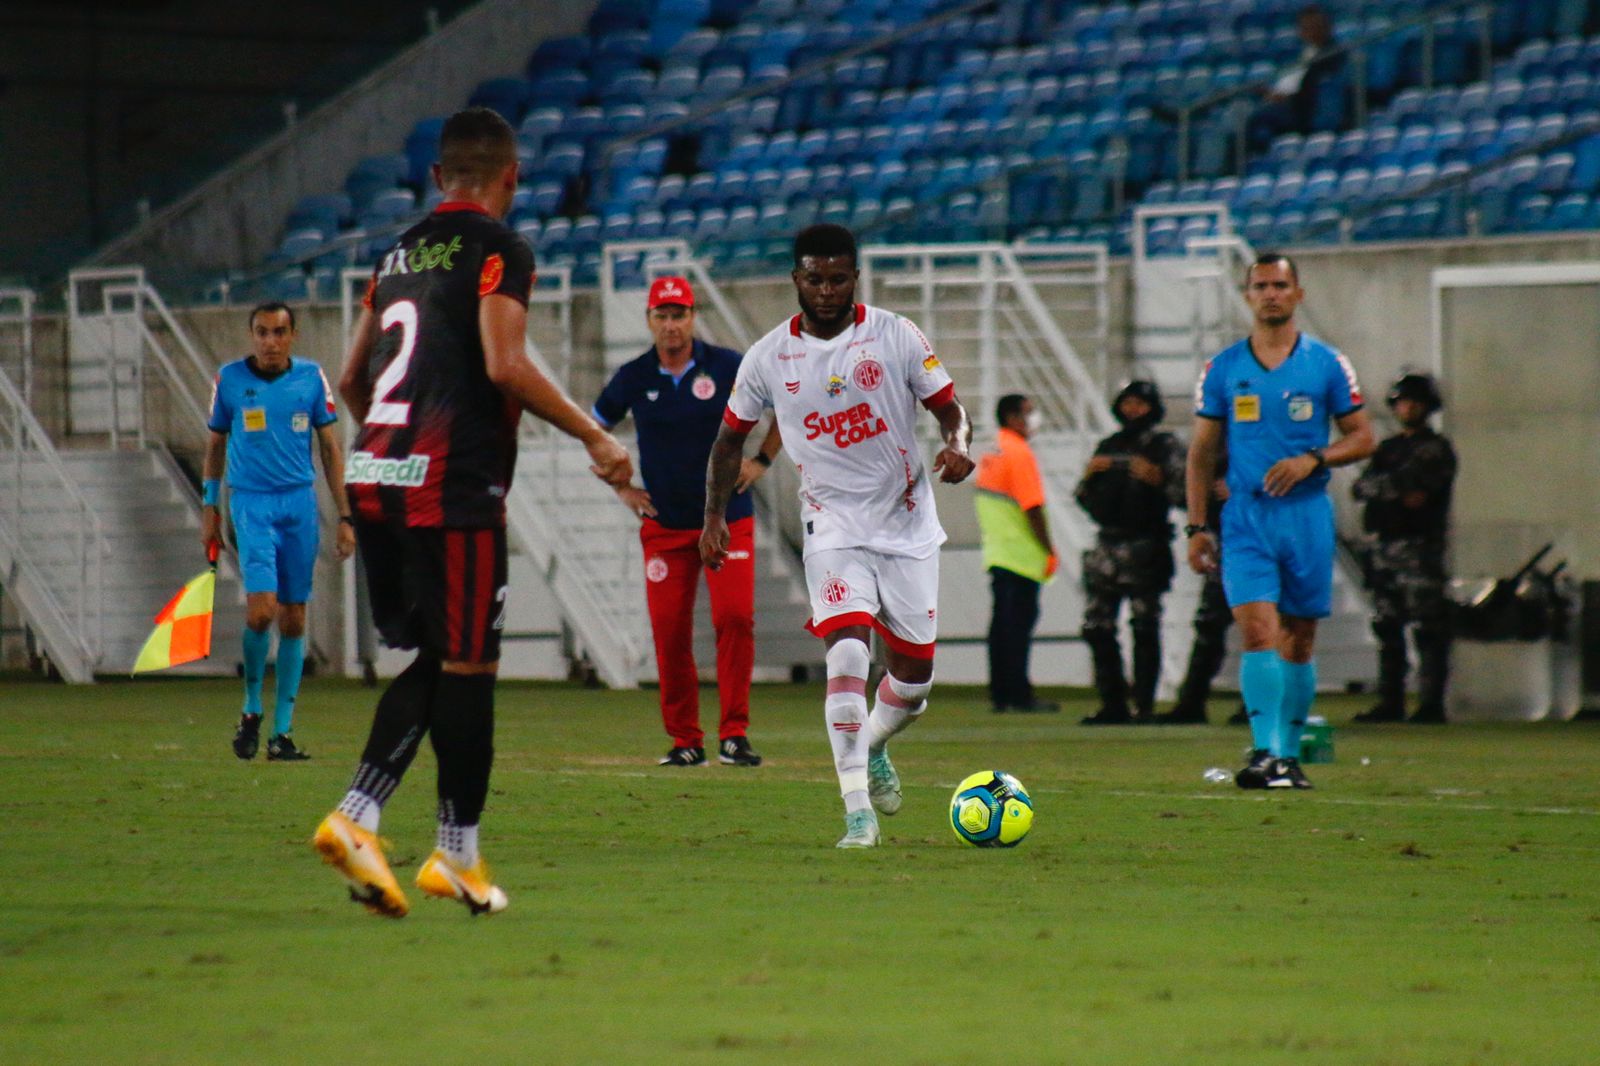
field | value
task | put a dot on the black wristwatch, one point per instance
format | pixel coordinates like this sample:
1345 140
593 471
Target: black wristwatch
1317 454
347 519
762 458
1189 531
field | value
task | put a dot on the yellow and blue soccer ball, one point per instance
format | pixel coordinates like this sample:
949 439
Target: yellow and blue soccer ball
991 809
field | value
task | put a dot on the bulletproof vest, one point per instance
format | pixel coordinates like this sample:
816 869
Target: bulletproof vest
1118 502
1422 461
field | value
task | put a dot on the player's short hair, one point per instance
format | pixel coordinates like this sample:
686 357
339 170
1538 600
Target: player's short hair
269 307
824 240
1010 404
475 145
1270 259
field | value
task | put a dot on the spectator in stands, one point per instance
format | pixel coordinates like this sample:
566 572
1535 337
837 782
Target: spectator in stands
1130 485
1291 104
676 392
1017 552
265 411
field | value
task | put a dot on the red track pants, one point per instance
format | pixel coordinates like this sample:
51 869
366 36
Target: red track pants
672 577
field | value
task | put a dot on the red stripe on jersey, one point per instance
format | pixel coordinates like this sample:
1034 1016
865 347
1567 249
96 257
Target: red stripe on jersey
839 621
794 326
733 421
482 590
861 313
455 568
940 398
425 503
460 205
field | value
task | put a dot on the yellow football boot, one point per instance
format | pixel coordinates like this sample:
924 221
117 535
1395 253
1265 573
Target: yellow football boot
443 878
358 856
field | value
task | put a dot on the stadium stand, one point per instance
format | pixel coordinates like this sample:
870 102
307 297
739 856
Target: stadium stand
934 120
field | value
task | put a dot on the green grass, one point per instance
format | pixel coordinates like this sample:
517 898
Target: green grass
1435 900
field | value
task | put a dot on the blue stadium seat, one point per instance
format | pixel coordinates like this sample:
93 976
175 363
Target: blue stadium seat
1573 211
1418 177
1353 184
1529 213
1554 172
1322 185
508 96
300 243
1585 174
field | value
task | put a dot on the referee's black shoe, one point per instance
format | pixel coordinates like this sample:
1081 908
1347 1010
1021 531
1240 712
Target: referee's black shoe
1258 771
281 748
683 757
1286 773
736 751
247 737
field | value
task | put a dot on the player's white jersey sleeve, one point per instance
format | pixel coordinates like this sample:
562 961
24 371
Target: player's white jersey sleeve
751 393
920 366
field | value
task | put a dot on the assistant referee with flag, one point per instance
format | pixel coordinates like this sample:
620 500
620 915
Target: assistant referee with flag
265 410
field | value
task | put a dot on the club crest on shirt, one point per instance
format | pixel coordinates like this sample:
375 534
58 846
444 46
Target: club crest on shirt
835 385
1301 408
652 394
868 375
703 388
835 591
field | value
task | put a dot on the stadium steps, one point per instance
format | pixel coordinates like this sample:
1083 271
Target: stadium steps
151 526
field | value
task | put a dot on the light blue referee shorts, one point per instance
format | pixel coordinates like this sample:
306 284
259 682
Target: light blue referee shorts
1279 551
277 537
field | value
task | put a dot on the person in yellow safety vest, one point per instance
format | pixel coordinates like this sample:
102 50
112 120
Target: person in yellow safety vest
1017 552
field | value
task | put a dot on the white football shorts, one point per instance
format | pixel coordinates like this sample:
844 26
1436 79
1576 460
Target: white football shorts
894 594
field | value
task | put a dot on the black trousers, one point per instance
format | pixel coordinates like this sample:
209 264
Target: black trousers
1016 611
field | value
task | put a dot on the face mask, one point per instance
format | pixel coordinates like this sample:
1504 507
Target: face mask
1034 421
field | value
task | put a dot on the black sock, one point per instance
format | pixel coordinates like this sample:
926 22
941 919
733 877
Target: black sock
463 741
397 729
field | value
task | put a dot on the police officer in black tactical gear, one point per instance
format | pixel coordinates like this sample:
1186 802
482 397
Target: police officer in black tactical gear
1407 488
1134 479
1212 620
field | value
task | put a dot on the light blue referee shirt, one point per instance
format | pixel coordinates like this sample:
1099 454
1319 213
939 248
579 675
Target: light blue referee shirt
269 422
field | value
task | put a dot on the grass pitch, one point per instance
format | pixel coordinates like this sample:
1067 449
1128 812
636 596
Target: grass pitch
1435 900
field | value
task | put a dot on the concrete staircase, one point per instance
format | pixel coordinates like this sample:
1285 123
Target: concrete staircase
149 516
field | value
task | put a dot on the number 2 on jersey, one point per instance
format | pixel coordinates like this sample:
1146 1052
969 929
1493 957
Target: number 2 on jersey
386 412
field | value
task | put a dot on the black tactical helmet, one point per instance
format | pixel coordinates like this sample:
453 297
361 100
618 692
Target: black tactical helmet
1146 391
1419 387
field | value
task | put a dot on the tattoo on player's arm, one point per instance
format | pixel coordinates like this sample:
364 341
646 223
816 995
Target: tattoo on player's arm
723 469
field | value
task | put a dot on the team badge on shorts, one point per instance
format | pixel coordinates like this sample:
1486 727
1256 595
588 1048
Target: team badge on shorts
655 569
835 384
835 591
868 375
1301 408
703 388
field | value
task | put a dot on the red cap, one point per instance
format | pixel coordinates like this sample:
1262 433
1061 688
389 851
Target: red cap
670 290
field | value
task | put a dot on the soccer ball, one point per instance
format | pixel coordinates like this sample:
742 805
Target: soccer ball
991 809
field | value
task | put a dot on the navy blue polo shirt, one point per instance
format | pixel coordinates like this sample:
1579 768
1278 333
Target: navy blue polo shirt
677 420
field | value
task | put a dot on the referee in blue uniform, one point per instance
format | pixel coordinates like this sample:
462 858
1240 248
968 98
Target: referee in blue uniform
1269 398
265 411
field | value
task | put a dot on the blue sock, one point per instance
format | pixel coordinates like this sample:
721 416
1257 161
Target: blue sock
291 663
1261 685
1299 689
255 667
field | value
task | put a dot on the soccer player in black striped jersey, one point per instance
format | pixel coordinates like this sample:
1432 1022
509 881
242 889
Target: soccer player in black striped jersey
438 376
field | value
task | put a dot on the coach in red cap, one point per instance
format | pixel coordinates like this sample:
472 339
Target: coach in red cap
676 393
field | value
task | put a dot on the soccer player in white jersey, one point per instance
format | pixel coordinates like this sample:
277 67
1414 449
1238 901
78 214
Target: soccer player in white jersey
844 381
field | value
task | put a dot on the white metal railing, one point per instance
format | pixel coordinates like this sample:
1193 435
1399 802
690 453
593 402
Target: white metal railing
123 301
982 308
65 600
16 338
983 311
716 318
